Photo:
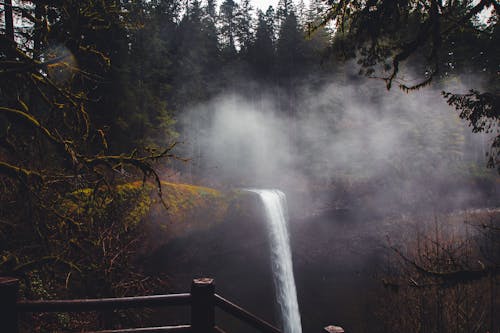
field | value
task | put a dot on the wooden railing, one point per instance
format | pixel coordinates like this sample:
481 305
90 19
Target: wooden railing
202 299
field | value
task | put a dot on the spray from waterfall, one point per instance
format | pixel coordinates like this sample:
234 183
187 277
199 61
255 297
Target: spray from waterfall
274 202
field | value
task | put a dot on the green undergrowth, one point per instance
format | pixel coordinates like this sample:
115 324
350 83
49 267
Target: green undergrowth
184 201
129 202
180 206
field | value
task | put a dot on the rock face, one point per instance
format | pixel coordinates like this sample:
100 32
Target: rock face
185 209
233 251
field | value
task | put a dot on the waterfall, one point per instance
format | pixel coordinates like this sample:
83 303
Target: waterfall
274 202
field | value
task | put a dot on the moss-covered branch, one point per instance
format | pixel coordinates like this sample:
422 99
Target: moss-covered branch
18 172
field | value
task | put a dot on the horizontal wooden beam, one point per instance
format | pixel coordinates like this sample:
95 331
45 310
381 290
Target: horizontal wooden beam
179 328
82 305
244 315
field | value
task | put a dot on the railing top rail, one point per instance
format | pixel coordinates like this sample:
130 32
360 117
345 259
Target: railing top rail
179 328
245 316
81 305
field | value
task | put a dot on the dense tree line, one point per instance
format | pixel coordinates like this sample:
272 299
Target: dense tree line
153 60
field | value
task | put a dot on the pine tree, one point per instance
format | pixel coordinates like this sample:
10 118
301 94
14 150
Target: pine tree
270 17
244 25
285 8
302 14
211 10
315 11
211 47
189 57
262 55
228 19
290 47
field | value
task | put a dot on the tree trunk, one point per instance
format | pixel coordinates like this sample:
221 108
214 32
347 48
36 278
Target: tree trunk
40 13
9 20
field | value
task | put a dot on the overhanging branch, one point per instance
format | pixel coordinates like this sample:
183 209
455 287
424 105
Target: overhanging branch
17 172
450 277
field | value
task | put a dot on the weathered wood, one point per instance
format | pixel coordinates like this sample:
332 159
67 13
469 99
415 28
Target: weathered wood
218 330
180 328
245 316
202 305
333 329
9 288
79 305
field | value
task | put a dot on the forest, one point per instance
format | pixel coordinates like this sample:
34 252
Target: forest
131 131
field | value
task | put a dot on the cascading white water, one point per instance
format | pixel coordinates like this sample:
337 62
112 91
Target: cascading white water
274 202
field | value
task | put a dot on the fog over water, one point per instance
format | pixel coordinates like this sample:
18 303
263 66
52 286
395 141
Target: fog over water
353 131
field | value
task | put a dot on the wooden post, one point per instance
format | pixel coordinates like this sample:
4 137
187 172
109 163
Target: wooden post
202 308
333 329
9 288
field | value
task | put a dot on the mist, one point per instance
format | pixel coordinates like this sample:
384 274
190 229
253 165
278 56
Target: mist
364 169
411 146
